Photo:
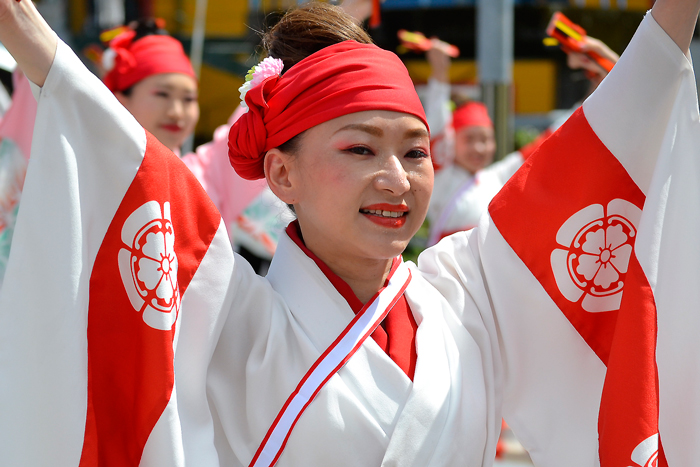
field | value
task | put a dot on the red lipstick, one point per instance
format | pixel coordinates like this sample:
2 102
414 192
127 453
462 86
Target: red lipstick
386 215
175 128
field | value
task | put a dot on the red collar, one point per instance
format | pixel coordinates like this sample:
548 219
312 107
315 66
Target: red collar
294 232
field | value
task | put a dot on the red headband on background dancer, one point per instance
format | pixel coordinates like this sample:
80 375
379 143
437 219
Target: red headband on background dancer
471 114
128 61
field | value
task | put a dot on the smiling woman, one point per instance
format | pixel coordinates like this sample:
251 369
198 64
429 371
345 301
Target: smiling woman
344 354
166 105
149 73
360 186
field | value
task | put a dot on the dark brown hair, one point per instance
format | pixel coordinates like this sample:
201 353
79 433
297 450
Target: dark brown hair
148 27
309 28
303 31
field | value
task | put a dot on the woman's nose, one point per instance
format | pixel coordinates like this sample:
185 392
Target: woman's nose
393 177
480 147
176 109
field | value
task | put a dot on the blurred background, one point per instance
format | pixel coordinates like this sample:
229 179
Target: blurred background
536 78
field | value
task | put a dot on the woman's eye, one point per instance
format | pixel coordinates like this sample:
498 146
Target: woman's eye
162 94
360 151
417 154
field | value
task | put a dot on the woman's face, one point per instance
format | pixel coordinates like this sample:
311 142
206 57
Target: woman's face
475 147
363 185
166 105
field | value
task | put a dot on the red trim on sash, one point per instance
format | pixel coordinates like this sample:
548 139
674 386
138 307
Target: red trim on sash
130 364
397 334
571 172
294 232
320 359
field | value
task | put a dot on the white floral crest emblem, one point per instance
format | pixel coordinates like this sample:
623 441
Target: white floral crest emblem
646 454
257 74
597 244
148 265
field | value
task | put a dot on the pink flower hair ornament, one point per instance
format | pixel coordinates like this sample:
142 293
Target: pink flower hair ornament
256 75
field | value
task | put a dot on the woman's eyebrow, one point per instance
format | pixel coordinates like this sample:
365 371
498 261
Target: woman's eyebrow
416 133
372 130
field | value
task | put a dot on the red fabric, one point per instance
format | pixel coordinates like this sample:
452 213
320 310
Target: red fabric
397 333
338 80
631 392
624 336
471 114
375 20
452 232
130 364
150 55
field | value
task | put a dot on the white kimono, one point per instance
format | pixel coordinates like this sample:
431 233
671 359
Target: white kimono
490 342
371 402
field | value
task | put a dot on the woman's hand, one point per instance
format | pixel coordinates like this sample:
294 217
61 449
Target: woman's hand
358 9
580 61
439 61
678 19
28 38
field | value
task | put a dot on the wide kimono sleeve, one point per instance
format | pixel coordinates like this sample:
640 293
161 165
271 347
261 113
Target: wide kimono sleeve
574 259
119 281
230 193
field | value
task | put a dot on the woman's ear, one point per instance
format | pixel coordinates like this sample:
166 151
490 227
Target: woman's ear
279 175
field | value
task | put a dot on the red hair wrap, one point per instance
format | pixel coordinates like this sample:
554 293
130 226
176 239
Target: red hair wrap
340 79
471 114
136 60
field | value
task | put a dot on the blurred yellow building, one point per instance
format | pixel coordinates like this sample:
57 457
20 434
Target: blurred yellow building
231 40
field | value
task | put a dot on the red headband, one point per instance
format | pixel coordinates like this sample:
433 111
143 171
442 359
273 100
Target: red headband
471 114
132 61
338 80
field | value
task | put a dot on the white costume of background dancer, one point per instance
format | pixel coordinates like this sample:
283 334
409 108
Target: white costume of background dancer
461 196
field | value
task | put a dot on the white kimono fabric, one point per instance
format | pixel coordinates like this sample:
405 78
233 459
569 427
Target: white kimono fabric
370 413
460 199
113 231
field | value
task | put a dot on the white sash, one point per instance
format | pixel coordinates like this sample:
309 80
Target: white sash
332 360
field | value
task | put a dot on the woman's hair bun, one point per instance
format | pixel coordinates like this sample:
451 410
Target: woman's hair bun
144 27
309 28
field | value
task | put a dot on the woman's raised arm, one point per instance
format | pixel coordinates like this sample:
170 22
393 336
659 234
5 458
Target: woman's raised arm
28 37
678 19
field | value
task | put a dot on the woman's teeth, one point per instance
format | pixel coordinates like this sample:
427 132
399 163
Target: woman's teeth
382 213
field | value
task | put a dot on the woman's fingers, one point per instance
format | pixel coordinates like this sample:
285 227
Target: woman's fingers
591 44
28 38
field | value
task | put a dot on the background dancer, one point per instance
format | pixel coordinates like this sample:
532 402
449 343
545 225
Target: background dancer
464 140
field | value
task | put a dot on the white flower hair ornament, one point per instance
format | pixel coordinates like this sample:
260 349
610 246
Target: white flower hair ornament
109 58
257 74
